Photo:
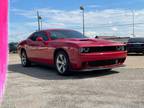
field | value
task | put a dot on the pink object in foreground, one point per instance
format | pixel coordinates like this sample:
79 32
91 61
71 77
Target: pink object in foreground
3 44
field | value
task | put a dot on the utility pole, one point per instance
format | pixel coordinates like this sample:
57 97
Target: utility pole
39 18
133 15
82 8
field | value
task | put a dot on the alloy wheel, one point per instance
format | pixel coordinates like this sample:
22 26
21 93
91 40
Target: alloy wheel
23 59
61 63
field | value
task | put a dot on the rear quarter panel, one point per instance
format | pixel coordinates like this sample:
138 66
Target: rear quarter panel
21 46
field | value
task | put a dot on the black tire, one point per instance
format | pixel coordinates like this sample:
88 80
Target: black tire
24 60
62 65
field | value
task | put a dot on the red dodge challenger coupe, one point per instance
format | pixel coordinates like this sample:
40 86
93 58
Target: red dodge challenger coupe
70 50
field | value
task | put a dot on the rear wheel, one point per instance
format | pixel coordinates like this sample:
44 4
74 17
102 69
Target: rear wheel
24 60
62 63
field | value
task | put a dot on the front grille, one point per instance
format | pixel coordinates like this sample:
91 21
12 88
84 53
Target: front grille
103 49
106 49
106 62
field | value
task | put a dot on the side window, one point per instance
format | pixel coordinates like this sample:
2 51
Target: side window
54 35
43 35
34 36
37 34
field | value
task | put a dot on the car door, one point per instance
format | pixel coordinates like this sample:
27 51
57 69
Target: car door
32 46
42 50
39 51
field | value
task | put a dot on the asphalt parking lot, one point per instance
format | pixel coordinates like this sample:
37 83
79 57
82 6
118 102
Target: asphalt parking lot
40 87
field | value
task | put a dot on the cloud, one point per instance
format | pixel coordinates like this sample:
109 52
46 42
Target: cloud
94 6
97 22
114 28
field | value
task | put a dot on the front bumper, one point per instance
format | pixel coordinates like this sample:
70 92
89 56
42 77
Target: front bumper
105 60
102 67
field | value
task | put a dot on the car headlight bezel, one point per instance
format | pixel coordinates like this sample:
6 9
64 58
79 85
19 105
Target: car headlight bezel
84 50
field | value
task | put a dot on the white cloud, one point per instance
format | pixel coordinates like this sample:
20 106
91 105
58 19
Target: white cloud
94 6
97 22
114 28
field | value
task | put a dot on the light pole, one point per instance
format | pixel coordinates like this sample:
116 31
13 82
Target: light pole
39 18
82 8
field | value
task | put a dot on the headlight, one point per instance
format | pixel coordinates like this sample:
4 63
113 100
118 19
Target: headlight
84 50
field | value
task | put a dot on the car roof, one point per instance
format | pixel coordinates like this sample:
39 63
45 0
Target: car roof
136 39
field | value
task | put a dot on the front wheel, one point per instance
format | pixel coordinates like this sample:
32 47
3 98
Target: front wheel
62 63
24 60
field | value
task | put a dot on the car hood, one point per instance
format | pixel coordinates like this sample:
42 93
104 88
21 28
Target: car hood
90 42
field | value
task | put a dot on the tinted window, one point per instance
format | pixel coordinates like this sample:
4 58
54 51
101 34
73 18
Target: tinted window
33 37
43 35
55 34
37 34
132 40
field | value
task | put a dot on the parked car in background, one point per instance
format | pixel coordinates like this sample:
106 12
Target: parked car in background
13 47
115 38
135 45
69 50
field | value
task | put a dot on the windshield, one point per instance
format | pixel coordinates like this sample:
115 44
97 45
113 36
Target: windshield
133 40
56 34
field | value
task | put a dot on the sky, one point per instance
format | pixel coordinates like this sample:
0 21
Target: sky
102 17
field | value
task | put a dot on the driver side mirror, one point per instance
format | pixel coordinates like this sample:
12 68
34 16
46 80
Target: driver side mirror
39 39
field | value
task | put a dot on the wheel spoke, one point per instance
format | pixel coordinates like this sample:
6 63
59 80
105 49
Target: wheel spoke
59 62
60 67
63 68
23 59
61 57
